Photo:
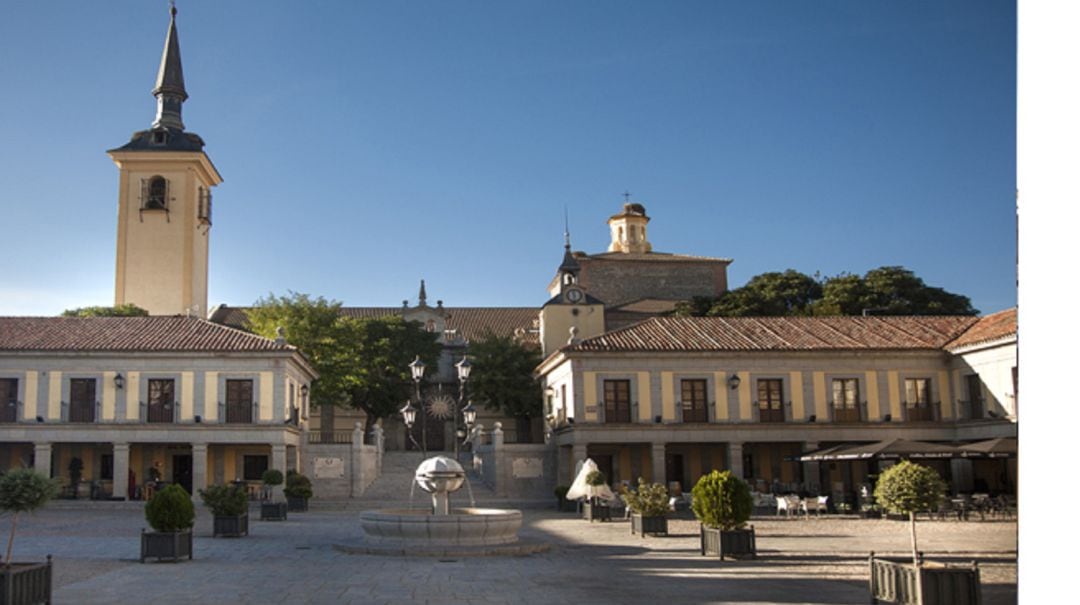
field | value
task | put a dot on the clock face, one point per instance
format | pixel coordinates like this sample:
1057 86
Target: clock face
575 295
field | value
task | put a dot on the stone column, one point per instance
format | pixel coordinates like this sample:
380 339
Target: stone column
355 468
198 467
43 458
734 458
121 465
811 470
277 461
659 468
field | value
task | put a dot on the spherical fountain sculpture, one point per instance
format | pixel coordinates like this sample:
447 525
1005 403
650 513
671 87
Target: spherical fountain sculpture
442 530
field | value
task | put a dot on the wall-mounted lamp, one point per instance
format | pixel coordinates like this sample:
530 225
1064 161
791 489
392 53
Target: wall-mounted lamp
40 419
733 381
118 380
304 390
658 419
813 418
198 419
888 417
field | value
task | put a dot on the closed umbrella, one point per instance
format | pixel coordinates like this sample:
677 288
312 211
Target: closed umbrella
580 489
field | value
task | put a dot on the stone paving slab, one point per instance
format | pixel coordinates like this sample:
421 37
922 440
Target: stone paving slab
800 561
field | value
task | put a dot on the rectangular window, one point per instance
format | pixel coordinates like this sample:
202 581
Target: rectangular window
917 394
616 401
845 399
694 403
255 466
975 399
770 400
9 396
83 400
161 400
238 400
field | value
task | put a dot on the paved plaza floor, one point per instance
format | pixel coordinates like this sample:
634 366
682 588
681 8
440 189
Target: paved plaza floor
816 560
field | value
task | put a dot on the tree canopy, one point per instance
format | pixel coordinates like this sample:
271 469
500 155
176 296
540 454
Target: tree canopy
502 377
124 310
881 291
362 363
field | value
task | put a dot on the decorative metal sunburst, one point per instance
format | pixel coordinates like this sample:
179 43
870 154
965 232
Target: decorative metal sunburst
441 407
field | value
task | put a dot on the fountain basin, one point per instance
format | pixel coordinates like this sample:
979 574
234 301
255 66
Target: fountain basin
462 527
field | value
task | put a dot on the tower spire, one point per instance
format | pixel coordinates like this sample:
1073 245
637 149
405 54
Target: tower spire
423 295
169 88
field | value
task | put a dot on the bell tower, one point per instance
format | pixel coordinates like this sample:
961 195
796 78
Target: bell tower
571 314
164 218
628 229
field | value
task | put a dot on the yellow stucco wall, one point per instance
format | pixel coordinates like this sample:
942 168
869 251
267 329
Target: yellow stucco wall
798 405
30 393
210 405
590 397
645 406
745 402
667 396
894 395
820 395
108 396
132 397
946 395
55 392
720 389
187 396
266 395
873 401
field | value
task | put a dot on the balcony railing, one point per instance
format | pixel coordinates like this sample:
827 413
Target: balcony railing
697 414
920 414
161 412
847 415
770 415
330 437
9 411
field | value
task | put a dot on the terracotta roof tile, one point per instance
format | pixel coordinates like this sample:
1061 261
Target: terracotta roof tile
128 334
661 334
989 328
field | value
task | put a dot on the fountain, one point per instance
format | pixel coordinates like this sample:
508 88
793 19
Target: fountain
441 530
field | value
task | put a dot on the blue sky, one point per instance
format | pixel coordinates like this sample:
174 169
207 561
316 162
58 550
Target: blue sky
367 145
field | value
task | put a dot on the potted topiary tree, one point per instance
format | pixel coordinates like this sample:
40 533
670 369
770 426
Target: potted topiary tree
297 491
648 508
596 509
23 491
909 488
273 511
229 506
171 514
722 503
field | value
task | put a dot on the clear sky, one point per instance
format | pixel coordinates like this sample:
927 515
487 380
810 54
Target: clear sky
367 145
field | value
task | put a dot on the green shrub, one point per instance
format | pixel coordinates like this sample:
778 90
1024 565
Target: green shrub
649 500
297 485
909 488
23 490
225 500
170 510
722 501
561 491
596 478
272 477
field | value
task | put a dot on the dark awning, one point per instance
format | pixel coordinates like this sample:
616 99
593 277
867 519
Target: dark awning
1002 447
890 449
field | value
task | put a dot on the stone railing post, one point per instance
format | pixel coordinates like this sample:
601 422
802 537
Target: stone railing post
356 464
497 436
379 441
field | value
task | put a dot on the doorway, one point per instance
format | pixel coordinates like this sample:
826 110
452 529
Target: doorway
181 474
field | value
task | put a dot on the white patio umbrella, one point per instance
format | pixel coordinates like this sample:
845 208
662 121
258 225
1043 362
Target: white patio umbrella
580 489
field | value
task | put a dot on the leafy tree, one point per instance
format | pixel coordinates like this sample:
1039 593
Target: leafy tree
910 488
23 490
882 291
362 363
379 380
889 291
502 379
124 310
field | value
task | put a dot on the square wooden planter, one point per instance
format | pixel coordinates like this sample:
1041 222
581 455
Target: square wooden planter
232 526
297 505
942 584
647 525
274 511
26 583
171 545
734 544
597 512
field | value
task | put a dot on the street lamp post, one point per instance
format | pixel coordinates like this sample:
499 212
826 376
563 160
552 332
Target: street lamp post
464 368
408 414
417 369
